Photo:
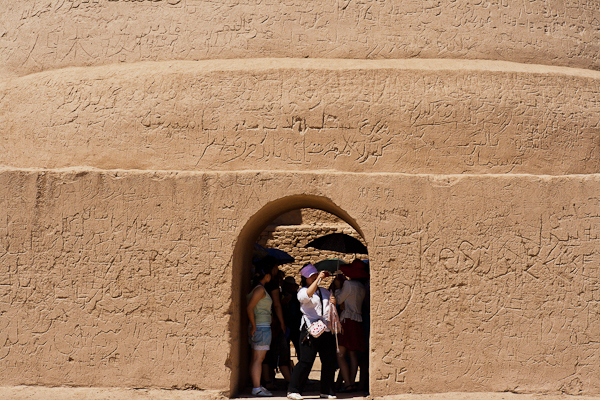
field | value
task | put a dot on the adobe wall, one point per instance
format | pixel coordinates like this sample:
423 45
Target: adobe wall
412 116
479 283
144 146
37 36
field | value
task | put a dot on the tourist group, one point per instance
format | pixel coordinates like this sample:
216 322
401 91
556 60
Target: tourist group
331 321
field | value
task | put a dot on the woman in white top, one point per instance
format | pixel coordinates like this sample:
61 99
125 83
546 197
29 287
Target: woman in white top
314 303
352 339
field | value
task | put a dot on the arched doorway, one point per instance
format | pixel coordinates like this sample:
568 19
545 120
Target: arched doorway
241 268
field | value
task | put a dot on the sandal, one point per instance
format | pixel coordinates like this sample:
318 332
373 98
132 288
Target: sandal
349 388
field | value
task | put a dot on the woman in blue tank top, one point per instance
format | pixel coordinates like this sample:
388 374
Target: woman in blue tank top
259 330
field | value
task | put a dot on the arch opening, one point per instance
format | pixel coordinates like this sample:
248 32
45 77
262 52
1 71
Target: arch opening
241 268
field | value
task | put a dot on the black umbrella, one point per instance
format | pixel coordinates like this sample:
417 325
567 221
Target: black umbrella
331 264
339 242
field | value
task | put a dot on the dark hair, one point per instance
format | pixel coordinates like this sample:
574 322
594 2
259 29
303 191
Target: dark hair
260 271
364 281
267 263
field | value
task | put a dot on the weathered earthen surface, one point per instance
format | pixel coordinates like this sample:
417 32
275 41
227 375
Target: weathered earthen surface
42 393
98 289
70 393
145 145
420 116
36 36
124 278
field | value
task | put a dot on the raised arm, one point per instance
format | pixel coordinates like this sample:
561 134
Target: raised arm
313 287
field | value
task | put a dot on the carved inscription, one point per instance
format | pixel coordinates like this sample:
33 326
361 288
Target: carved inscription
475 271
95 277
382 120
46 35
119 274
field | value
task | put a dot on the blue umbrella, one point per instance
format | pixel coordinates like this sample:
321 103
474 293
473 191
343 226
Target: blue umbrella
261 252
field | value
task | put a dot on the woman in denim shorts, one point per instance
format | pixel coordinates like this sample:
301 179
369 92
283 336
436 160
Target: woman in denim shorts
259 330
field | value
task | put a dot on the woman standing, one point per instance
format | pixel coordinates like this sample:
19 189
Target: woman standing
352 339
259 330
314 302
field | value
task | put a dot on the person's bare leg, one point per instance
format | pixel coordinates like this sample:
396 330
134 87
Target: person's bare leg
286 372
256 366
353 365
339 382
344 368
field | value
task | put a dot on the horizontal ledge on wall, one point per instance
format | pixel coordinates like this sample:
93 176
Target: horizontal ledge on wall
185 173
269 64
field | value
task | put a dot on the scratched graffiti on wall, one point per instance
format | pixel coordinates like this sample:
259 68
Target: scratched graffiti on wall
35 36
387 120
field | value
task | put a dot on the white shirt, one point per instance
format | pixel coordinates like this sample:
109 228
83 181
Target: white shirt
352 295
311 307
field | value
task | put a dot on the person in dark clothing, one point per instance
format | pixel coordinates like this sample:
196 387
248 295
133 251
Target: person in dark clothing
291 310
314 304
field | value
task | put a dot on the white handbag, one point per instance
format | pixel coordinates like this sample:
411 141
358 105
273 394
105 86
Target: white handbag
317 328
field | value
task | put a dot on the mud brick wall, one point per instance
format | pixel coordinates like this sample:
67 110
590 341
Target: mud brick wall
361 116
110 279
36 36
124 278
145 146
